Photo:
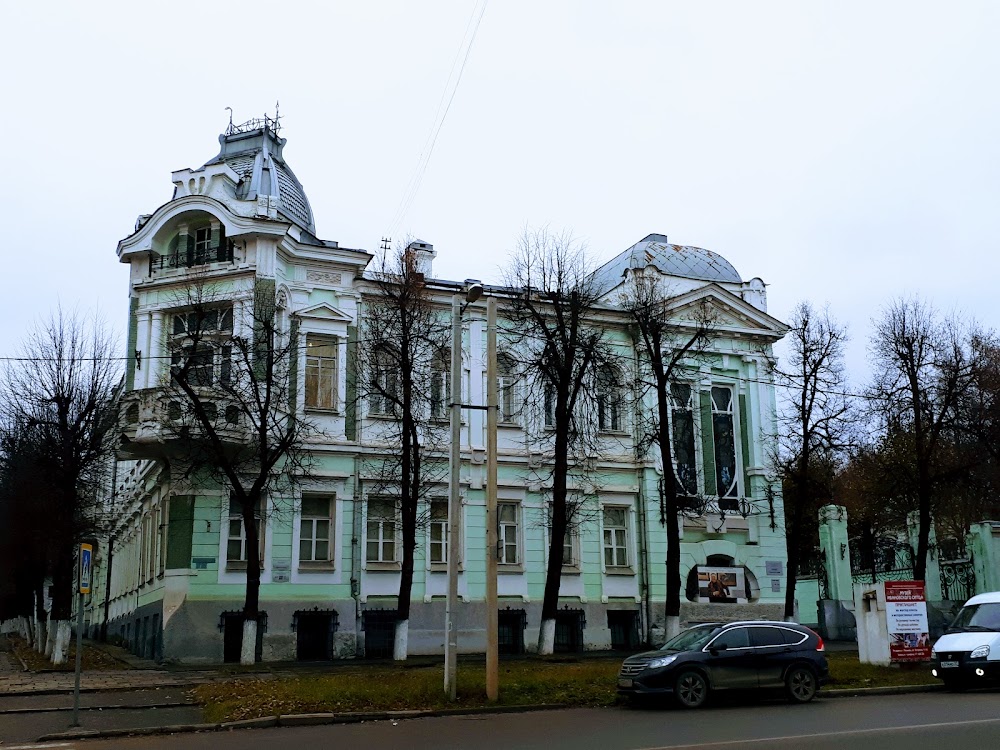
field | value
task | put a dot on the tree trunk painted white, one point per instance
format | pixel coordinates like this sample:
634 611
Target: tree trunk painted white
40 635
27 628
673 626
60 647
547 637
50 637
400 642
248 650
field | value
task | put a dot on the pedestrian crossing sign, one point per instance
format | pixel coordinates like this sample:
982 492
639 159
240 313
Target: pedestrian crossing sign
86 558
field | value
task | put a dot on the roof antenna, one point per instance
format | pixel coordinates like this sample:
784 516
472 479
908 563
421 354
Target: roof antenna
386 241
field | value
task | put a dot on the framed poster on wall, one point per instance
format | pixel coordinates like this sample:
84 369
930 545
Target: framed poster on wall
722 585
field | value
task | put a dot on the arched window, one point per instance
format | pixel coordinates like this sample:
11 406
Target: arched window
682 434
723 429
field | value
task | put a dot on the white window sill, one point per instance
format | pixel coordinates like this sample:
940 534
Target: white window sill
382 567
625 570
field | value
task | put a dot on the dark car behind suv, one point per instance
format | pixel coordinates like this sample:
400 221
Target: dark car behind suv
730 656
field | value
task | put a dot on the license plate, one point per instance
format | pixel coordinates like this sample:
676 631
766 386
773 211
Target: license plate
624 682
949 665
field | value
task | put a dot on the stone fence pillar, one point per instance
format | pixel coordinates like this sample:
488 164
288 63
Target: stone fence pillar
985 556
836 552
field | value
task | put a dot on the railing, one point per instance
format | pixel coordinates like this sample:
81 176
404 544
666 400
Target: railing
958 580
222 253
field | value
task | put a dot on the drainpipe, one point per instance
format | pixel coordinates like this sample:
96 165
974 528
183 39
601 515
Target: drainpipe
644 556
356 554
111 547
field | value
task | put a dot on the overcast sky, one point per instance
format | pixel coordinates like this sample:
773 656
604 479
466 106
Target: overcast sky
844 152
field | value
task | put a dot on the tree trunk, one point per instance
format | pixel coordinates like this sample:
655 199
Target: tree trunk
553 575
251 606
60 646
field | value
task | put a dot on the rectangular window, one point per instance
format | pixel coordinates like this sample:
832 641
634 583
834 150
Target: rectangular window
507 534
202 241
724 434
609 400
440 387
384 391
236 543
550 406
439 532
315 529
682 433
615 537
381 539
162 516
208 357
321 372
506 389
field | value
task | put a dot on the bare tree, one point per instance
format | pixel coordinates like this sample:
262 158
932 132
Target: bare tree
230 403
402 360
923 372
557 341
63 390
811 426
667 344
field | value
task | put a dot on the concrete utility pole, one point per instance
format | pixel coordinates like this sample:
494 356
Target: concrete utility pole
492 417
454 503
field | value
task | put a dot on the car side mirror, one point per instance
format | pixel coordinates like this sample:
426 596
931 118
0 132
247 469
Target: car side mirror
716 649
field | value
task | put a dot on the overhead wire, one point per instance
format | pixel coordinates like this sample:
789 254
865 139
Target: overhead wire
444 106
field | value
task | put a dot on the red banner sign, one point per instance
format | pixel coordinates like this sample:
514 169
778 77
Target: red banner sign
906 619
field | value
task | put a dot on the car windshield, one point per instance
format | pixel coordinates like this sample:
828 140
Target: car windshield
977 617
690 639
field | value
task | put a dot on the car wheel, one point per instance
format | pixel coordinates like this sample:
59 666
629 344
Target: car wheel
691 689
800 684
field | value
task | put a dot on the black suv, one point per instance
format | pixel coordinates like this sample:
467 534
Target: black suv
730 656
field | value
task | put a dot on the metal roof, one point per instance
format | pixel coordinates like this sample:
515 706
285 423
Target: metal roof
683 261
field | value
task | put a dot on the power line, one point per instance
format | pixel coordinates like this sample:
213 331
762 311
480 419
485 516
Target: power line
444 105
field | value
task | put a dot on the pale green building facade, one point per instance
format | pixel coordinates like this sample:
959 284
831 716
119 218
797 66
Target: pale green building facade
330 570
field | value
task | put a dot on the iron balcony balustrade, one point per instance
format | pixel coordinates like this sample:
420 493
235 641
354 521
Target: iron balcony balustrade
221 253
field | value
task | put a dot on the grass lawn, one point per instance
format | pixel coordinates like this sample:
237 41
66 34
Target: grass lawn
94 660
359 687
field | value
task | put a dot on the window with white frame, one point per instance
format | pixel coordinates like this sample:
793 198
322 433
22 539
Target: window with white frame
549 405
381 527
202 241
571 548
163 515
508 542
682 434
384 385
724 434
615 536
439 532
236 542
506 389
316 529
321 372
609 400
200 345
440 395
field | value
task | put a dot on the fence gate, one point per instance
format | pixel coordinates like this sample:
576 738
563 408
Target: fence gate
510 631
569 630
380 632
624 626
314 634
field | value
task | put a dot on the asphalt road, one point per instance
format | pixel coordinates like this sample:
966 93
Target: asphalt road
927 720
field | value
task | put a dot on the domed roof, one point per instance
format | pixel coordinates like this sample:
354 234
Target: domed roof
683 261
255 155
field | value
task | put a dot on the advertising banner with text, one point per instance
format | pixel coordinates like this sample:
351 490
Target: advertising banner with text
906 618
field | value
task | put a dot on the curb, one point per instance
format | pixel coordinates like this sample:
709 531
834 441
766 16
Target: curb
318 719
895 690
56 709
293 720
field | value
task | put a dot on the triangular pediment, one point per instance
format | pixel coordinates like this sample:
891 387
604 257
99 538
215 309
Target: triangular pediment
324 311
730 312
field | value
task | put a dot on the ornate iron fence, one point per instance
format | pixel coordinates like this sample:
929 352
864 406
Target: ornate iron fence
958 580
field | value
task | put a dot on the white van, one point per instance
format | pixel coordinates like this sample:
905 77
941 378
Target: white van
969 651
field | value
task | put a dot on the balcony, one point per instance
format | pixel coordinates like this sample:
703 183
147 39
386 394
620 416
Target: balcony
195 256
156 424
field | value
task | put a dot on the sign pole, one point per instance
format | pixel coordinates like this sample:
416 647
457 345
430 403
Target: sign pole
83 587
79 660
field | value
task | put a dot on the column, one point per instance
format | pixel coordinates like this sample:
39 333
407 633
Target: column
836 551
156 350
932 577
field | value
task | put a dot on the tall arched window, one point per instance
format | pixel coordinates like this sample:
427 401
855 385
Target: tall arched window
682 434
440 395
723 428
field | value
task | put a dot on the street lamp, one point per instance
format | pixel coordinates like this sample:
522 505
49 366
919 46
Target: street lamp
474 291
